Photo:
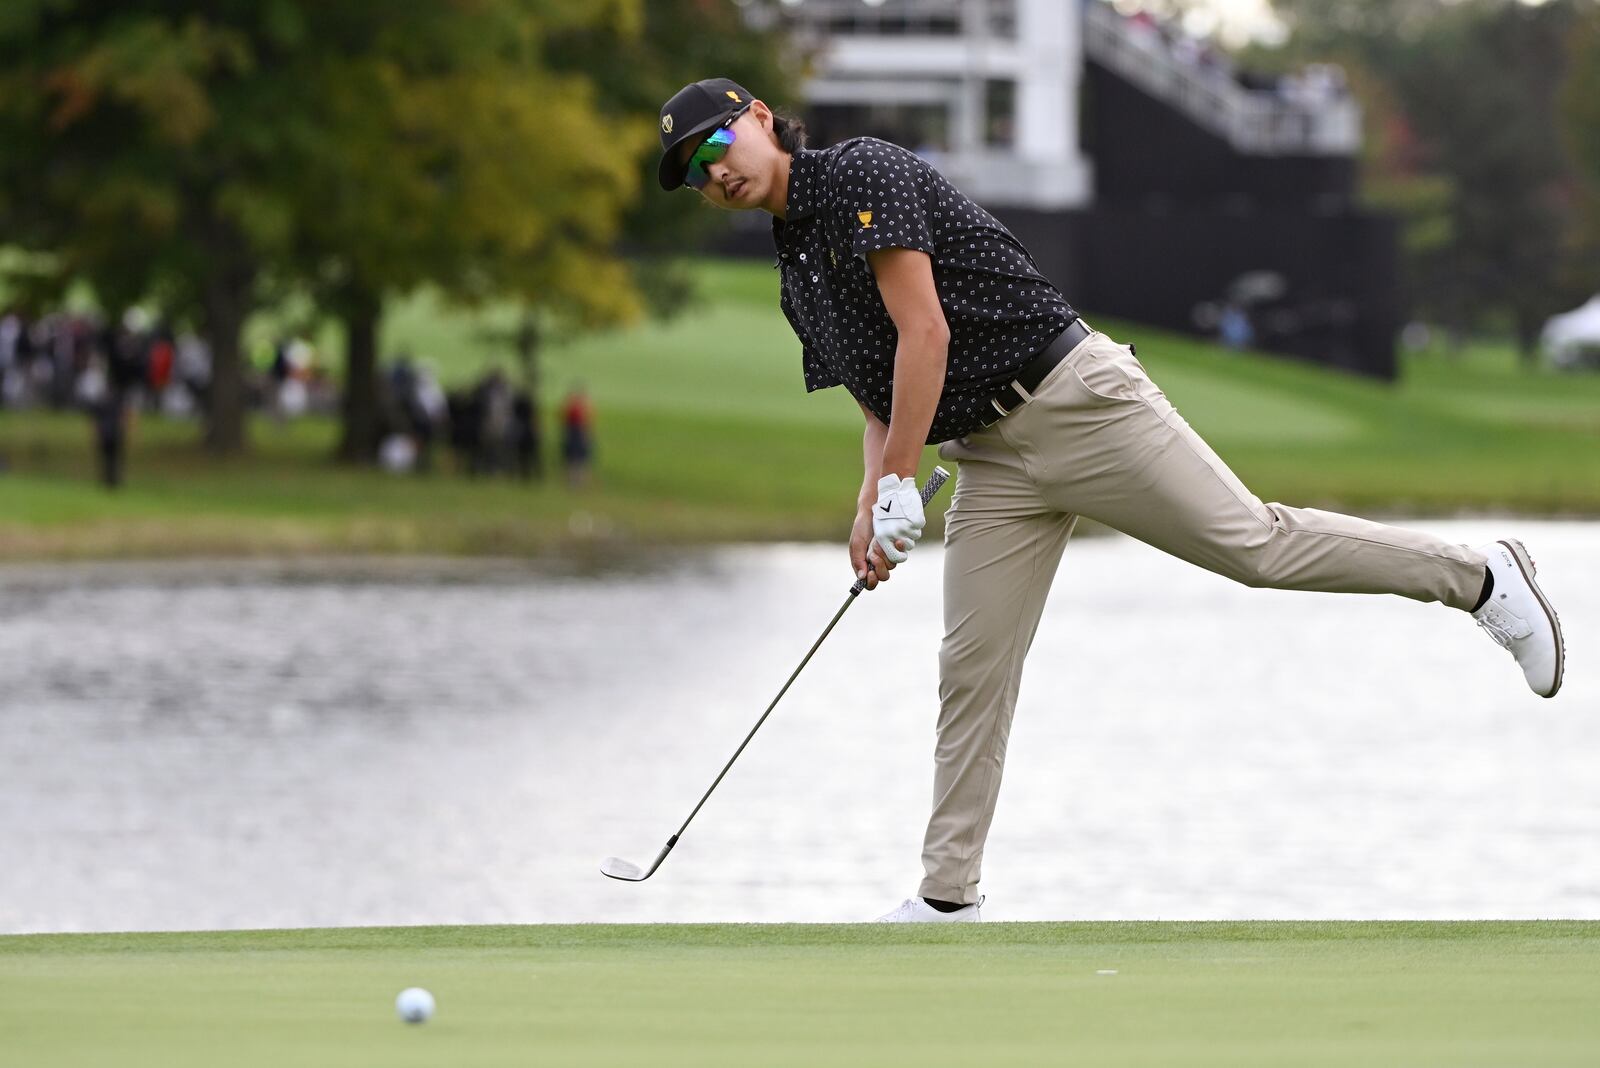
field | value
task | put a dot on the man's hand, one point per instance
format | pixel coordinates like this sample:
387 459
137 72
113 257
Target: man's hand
897 518
866 559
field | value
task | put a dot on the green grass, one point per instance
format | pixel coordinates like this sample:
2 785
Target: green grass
706 434
1224 994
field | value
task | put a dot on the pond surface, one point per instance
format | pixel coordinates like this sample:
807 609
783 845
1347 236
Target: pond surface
224 744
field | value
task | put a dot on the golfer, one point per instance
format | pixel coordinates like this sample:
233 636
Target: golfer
938 322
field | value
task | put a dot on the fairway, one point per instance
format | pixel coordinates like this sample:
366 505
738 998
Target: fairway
992 994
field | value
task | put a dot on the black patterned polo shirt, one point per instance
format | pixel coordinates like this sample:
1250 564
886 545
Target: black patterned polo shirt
865 194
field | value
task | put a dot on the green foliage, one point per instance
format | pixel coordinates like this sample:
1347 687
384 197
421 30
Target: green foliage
1580 98
1580 123
193 152
1497 138
1384 27
678 42
440 157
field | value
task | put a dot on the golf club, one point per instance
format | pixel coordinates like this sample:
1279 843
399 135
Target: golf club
616 867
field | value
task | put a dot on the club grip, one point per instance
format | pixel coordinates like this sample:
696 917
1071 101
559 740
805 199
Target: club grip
934 484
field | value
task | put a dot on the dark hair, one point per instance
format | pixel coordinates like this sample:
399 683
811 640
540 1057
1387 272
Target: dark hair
790 131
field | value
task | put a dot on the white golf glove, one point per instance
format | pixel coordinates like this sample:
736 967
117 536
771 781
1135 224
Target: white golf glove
897 515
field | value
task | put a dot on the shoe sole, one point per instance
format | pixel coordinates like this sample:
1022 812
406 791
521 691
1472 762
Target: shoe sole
1520 554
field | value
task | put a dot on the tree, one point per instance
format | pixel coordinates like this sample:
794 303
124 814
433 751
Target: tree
677 42
201 153
1473 85
1497 140
139 145
446 162
1580 125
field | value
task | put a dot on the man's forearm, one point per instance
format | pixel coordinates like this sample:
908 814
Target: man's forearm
872 440
919 364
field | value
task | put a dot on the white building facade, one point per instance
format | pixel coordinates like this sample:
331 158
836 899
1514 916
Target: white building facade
985 88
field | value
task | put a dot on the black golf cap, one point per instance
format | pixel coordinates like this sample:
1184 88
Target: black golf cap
696 108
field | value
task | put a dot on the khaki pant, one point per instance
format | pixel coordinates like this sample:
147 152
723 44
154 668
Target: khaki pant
1099 439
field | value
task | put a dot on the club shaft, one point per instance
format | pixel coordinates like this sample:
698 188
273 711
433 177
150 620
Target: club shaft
935 482
848 601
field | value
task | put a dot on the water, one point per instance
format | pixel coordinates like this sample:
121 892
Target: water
247 745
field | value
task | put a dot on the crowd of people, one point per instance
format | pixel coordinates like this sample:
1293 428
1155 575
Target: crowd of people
1308 88
106 368
110 369
492 427
65 360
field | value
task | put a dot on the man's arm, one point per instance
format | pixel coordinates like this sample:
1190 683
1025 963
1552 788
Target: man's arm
872 442
865 559
905 282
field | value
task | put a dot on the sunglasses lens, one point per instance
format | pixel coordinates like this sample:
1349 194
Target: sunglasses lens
710 151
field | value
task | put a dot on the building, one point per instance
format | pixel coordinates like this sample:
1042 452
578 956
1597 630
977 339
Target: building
1150 179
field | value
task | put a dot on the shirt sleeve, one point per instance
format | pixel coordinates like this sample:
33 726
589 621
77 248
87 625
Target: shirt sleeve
886 193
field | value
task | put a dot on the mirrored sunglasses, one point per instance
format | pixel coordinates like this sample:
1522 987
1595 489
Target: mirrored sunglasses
711 150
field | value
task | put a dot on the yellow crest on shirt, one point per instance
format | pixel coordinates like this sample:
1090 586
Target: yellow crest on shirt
865 217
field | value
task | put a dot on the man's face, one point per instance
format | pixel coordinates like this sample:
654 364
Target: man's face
742 178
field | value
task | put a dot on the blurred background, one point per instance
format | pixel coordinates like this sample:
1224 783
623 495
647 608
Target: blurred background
382 453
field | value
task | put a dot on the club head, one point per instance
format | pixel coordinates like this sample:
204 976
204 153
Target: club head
617 868
627 871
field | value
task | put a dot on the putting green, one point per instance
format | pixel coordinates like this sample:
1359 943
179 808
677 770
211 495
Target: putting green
994 994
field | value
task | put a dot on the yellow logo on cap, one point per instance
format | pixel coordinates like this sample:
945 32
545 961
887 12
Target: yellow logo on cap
865 217
666 124
735 96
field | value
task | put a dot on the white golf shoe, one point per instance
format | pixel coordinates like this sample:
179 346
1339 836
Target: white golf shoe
916 910
1518 618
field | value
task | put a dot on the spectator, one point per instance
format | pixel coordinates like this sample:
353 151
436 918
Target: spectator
463 409
493 401
1233 327
163 354
525 434
100 396
193 369
277 376
577 436
11 331
428 412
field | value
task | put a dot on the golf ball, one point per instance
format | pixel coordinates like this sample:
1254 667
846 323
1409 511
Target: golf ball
415 1005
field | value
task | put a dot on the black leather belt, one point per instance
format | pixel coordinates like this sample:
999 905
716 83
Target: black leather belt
1020 389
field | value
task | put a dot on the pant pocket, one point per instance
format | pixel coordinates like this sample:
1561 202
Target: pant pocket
1103 379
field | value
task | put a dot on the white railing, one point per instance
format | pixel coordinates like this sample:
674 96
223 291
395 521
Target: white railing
1255 121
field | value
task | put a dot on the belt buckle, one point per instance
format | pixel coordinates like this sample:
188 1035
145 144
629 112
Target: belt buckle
1023 397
